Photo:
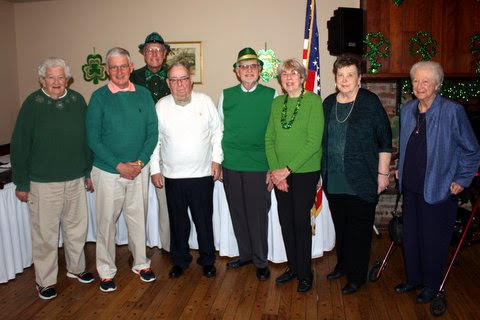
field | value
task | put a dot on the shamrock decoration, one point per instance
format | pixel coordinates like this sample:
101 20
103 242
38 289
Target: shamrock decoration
423 44
475 43
375 49
94 69
270 64
398 2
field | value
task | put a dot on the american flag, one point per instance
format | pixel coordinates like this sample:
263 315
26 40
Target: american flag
311 59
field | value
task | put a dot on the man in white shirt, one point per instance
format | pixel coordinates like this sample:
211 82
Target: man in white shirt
186 161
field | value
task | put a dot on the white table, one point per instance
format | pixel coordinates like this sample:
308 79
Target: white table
16 249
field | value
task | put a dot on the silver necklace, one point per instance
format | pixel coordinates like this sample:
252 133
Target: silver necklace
349 112
419 123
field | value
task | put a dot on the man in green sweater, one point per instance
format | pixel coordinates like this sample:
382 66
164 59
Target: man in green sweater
245 110
122 133
51 166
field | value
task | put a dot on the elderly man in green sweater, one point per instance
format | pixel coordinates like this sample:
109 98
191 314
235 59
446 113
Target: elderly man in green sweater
122 133
245 110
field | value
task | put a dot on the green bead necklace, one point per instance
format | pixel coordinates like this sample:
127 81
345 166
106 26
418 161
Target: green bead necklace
283 118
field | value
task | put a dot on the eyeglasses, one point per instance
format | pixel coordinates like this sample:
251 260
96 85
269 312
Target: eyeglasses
293 73
248 66
122 67
154 50
178 80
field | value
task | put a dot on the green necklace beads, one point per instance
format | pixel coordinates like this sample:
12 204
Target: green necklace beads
283 118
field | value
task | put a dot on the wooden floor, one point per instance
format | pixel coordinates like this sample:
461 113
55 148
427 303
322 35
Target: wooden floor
237 294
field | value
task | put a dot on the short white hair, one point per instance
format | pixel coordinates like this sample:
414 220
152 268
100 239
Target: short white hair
434 67
53 62
117 51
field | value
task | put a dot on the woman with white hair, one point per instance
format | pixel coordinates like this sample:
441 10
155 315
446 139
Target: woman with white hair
439 156
51 170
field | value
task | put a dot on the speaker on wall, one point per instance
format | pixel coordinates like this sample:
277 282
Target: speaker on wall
345 31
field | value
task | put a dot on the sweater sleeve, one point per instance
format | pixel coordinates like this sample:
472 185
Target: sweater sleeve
216 127
21 144
155 157
468 148
88 152
383 130
313 142
272 158
94 122
152 131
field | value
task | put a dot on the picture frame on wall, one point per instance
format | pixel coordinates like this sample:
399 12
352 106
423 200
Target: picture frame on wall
190 53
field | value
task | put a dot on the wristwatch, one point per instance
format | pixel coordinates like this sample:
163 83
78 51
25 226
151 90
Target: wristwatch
140 163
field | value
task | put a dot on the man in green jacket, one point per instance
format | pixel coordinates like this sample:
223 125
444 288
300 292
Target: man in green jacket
153 76
122 133
245 110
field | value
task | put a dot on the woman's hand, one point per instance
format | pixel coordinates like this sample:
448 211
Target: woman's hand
455 188
282 185
383 182
279 175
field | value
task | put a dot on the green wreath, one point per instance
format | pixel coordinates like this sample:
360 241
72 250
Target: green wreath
94 69
375 49
423 43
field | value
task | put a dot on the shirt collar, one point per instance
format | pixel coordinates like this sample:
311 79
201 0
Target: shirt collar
114 88
251 90
63 95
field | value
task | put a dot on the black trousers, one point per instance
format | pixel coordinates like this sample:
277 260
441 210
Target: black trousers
249 203
353 219
427 233
294 214
196 194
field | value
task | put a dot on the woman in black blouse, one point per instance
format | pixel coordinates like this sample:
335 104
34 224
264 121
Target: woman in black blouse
357 147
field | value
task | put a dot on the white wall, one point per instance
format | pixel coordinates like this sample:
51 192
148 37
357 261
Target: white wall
71 28
9 102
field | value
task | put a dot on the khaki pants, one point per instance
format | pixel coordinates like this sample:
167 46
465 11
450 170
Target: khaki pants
114 194
163 220
52 204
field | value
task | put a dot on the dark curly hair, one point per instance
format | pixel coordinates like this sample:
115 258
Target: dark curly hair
346 60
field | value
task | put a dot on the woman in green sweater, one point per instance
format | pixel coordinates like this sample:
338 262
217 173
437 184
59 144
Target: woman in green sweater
293 146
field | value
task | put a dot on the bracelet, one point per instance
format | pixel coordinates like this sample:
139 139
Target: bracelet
388 174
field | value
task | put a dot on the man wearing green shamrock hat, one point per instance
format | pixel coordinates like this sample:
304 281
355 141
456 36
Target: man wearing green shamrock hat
245 110
153 76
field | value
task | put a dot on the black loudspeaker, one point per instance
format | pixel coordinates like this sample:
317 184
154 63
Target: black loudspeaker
345 31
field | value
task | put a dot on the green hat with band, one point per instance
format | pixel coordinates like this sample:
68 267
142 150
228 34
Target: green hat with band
247 54
154 38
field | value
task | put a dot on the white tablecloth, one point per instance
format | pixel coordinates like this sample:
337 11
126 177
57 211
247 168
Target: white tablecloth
16 250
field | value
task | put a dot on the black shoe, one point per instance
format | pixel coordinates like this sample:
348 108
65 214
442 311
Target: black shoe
209 271
263 273
304 285
427 295
175 272
350 288
335 274
237 263
285 277
405 287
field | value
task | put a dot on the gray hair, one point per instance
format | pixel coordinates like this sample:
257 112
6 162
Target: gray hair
434 67
295 65
179 64
53 62
117 51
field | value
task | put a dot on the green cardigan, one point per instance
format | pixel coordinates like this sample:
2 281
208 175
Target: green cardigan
368 134
299 147
49 142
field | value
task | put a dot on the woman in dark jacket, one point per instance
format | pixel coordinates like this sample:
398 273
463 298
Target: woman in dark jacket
357 147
